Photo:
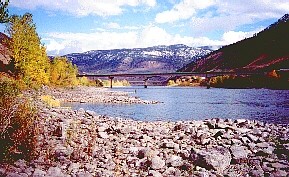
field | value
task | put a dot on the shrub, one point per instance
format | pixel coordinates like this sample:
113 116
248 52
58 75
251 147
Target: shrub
98 83
50 101
18 130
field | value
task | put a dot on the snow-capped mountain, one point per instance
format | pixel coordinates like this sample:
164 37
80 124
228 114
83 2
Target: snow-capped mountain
151 59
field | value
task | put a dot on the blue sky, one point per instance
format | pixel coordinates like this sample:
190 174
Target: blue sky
69 26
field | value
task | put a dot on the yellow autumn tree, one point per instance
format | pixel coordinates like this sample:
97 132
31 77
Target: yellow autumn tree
31 62
63 72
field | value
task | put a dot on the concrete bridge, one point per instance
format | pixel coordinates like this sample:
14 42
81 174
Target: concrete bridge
147 76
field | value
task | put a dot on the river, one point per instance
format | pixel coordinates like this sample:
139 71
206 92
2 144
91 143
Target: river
197 103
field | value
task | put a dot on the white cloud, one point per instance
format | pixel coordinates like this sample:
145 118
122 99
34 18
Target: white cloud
232 14
151 35
223 15
233 36
184 10
113 25
84 7
64 43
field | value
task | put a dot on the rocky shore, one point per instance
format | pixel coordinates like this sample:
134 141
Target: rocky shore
95 95
82 143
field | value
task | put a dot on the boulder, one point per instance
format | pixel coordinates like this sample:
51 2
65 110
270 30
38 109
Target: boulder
54 172
155 173
175 161
157 163
39 173
213 158
239 153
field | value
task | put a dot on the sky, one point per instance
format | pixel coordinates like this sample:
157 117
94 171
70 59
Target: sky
73 26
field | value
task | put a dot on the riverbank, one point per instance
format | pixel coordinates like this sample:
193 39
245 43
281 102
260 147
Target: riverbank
84 94
82 143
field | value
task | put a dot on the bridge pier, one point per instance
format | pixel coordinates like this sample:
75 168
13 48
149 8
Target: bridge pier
146 82
111 79
208 82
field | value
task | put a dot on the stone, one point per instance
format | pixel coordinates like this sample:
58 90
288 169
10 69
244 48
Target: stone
84 174
54 172
239 153
39 173
169 145
157 163
155 173
263 145
256 173
74 167
253 138
175 161
20 164
103 135
90 113
216 158
172 172
81 110
279 165
102 127
280 173
14 175
266 150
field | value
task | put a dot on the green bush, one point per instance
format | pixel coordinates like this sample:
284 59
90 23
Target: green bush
18 129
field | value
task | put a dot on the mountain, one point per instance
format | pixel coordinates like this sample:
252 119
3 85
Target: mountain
151 59
265 51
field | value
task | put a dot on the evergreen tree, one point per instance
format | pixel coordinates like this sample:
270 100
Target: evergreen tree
31 62
4 11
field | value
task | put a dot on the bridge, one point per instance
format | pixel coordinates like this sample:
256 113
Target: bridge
206 74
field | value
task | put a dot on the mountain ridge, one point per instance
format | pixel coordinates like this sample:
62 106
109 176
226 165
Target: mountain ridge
265 51
160 58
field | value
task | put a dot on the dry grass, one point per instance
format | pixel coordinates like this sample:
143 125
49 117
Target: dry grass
18 131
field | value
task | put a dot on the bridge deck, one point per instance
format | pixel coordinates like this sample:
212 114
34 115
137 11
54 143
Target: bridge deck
168 74
207 74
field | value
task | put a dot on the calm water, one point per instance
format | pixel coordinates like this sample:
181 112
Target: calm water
199 103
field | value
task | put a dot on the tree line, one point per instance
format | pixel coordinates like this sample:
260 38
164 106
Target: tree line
31 65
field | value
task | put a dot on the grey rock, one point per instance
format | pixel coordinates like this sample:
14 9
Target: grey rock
239 153
74 167
266 151
263 145
14 175
84 174
253 138
280 173
54 172
279 165
216 158
157 163
90 113
174 160
21 164
81 110
256 173
170 145
172 172
89 167
103 135
39 173
102 127
155 173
